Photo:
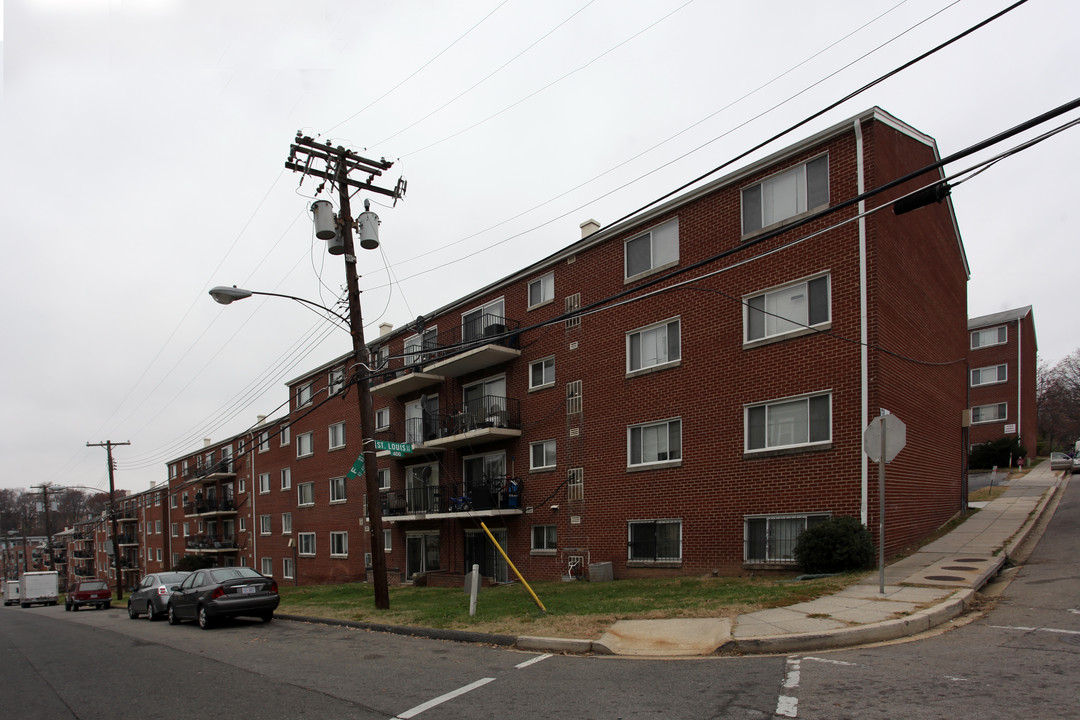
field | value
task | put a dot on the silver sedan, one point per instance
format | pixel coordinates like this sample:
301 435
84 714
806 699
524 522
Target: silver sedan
152 596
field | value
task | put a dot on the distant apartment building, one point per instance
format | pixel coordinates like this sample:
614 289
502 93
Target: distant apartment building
1002 369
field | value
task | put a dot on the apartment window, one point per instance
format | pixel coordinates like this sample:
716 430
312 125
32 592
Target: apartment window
305 445
571 304
264 441
417 346
787 309
286 478
286 523
243 524
337 436
652 346
654 443
542 373
386 544
772 538
157 527
489 319
305 494
339 544
172 471
264 483
285 436
305 543
240 446
266 566
337 490
542 455
187 529
183 468
789 423
785 195
989 375
543 538
382 418
989 413
542 290
157 554
241 485
264 525
288 568
989 336
172 501
575 484
573 397
335 380
384 478
653 250
303 395
655 540
175 529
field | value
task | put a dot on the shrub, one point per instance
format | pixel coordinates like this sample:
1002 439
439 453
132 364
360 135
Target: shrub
1002 452
836 545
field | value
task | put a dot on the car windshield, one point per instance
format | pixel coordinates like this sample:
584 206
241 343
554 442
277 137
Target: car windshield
171 578
232 573
94 585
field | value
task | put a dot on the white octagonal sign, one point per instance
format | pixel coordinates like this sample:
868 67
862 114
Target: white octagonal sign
895 437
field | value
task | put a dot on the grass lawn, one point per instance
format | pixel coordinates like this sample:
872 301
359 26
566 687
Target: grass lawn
574 609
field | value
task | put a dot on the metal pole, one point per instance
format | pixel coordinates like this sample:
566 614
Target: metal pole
881 510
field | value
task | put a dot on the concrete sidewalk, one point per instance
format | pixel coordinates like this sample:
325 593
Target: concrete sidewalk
922 591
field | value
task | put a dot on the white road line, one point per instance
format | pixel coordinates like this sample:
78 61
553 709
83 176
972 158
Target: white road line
442 698
536 659
1040 629
830 662
788 705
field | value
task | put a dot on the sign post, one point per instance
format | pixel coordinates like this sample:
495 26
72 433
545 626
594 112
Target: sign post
883 439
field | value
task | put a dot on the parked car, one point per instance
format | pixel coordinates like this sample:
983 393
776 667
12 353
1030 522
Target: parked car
215 593
152 596
1061 461
88 592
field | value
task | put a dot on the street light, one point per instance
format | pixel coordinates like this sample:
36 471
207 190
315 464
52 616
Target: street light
226 294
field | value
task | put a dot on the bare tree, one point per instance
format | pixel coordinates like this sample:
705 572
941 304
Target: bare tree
1058 395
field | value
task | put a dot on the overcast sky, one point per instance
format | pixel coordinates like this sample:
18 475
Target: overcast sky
145 142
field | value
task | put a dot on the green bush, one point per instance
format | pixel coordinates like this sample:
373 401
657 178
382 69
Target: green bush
1000 452
836 545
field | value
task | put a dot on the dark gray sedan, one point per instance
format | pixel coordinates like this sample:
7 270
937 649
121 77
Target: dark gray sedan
209 595
152 595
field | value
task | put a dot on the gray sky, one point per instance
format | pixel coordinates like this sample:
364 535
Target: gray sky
145 142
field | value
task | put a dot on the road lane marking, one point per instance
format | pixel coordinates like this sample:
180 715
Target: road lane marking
1033 629
788 705
536 659
413 712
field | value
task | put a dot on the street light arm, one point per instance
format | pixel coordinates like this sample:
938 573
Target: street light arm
227 295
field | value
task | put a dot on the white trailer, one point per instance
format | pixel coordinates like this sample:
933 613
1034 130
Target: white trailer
39 588
11 592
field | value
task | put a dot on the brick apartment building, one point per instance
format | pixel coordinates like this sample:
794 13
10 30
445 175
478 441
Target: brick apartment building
682 392
1003 363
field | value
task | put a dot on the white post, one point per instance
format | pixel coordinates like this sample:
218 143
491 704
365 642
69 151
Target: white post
474 588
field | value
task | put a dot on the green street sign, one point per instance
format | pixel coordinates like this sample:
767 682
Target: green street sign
396 449
357 468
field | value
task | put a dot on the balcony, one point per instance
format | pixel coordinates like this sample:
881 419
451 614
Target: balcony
481 343
209 545
418 433
127 540
222 469
486 419
209 507
404 380
501 496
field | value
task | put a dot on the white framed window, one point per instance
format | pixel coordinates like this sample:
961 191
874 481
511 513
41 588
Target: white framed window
157 527
337 435
175 529
988 337
772 538
658 248
305 494
653 346
335 380
542 290
184 468
384 478
787 309
305 543
264 483
172 501
305 445
172 472
657 442
266 566
382 418
303 395
786 194
788 423
241 485
542 455
157 554
264 441
387 543
243 524
288 568
339 544
284 436
286 478
989 413
264 525
542 373
286 523
654 540
187 529
989 375
544 538
337 490
489 319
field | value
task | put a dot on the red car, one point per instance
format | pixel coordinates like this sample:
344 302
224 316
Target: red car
88 592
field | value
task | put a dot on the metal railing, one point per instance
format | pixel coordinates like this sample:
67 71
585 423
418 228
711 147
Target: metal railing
500 493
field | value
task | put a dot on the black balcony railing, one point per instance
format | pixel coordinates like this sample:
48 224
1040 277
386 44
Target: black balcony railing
486 411
202 507
210 542
501 493
223 466
483 329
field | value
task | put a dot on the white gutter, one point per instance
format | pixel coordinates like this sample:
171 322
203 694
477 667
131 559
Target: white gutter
1019 378
864 384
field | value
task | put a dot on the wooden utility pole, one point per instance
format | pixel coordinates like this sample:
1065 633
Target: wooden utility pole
109 445
334 165
48 531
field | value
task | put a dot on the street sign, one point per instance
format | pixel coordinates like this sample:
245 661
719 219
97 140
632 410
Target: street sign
396 449
895 437
357 469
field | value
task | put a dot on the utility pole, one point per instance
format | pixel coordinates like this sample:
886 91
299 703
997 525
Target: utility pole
48 530
109 445
334 165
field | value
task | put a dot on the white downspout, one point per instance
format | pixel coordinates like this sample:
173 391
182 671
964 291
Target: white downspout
252 492
864 362
1019 378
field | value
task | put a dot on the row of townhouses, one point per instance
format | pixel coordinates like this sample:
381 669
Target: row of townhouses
681 392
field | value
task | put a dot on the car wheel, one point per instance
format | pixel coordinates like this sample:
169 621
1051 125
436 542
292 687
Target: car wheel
107 606
74 607
150 615
266 617
204 619
131 611
173 619
67 606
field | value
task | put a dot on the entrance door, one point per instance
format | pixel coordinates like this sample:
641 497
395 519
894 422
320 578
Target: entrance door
421 553
480 551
